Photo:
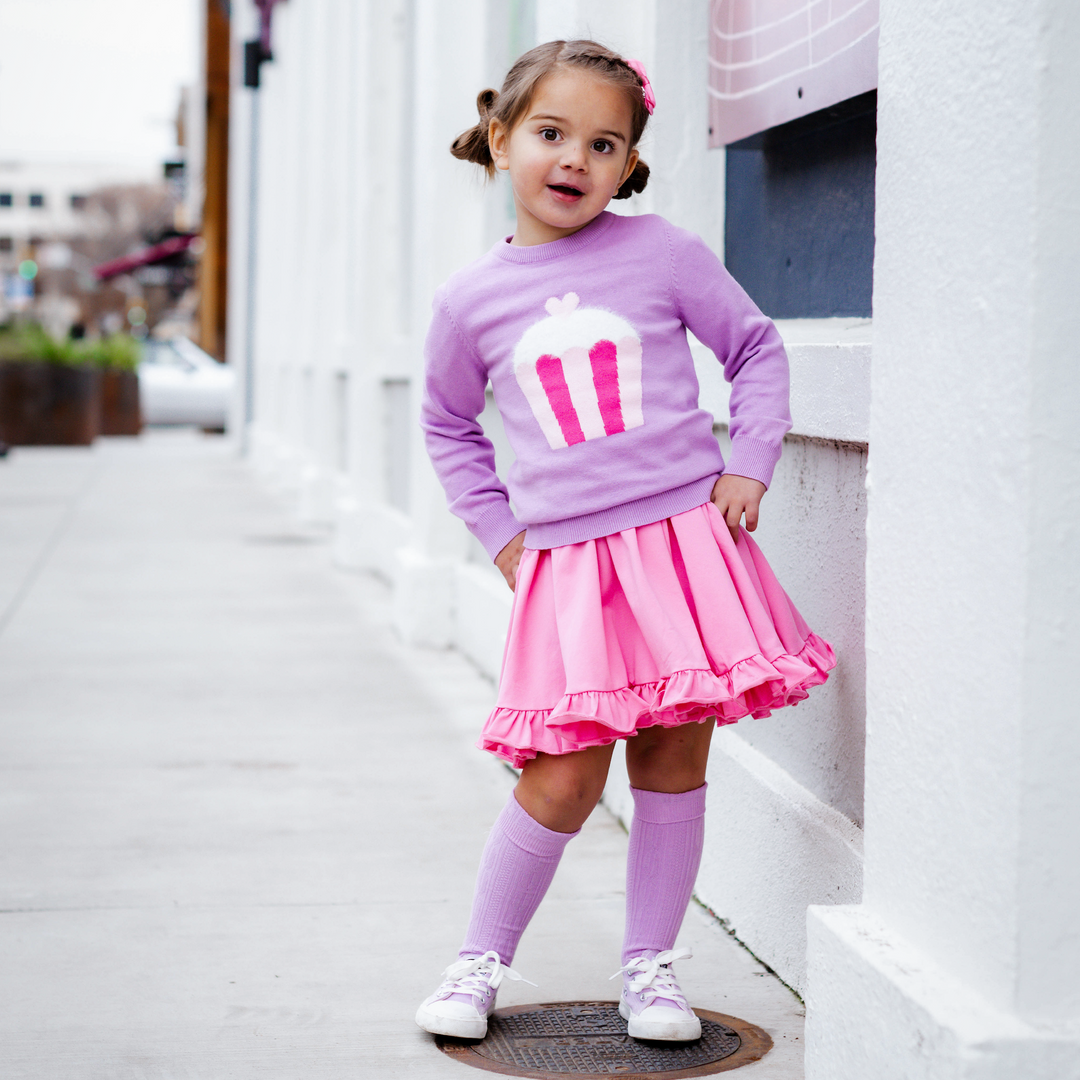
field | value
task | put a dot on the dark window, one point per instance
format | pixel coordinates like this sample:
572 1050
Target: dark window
6 199
799 234
78 202
6 243
37 199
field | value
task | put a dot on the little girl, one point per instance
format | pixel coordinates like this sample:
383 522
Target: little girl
642 609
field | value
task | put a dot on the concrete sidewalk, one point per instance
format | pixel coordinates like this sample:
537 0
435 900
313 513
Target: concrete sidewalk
242 820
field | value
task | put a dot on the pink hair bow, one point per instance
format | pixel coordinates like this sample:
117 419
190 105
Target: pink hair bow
638 68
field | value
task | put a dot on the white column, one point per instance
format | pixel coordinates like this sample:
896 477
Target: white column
372 523
961 961
240 167
356 491
324 269
279 207
447 231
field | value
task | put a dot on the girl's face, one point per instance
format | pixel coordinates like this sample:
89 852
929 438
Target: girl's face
567 156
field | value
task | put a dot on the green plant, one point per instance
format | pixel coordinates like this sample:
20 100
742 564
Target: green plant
117 352
13 342
9 346
29 341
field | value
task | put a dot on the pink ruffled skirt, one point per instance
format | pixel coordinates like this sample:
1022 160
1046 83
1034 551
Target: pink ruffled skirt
669 623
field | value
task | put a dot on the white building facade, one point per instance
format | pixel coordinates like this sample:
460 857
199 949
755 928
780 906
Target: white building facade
347 210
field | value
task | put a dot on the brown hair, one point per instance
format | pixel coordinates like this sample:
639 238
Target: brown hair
508 105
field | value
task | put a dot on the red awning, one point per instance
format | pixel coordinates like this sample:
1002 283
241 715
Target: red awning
146 257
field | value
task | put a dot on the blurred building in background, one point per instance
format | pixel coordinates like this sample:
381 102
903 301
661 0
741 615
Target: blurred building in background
56 223
930 179
95 248
80 250
50 200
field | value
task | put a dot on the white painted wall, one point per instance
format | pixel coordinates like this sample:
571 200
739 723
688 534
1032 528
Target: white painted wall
961 960
361 213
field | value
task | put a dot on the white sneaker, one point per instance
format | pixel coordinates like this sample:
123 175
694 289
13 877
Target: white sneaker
466 997
652 1004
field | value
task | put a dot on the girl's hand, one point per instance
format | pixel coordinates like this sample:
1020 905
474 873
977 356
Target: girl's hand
734 496
507 560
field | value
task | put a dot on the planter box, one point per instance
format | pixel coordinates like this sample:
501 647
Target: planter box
120 413
44 404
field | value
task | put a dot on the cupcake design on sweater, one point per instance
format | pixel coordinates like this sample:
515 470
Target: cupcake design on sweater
580 371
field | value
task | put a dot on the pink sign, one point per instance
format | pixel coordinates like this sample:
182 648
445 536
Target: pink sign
771 61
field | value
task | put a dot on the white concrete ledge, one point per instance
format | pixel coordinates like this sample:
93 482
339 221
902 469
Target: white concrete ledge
894 1015
437 601
774 849
368 535
276 462
315 496
481 615
830 378
423 598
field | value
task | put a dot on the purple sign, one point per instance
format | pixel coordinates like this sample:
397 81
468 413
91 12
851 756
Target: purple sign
771 61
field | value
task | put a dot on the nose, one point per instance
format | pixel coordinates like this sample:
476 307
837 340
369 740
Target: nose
573 155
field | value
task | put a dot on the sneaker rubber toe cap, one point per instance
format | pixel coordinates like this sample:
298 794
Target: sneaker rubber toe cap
661 1023
453 1018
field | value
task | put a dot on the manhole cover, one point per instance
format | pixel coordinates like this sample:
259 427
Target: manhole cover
578 1039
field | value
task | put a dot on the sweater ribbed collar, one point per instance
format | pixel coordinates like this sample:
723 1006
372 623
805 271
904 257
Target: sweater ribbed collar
554 249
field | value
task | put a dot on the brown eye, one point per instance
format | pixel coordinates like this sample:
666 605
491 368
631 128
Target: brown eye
602 146
549 134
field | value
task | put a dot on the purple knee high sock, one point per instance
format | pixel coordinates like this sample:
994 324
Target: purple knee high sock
666 838
516 868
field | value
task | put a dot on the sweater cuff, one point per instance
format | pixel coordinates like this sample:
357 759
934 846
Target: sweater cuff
754 458
496 527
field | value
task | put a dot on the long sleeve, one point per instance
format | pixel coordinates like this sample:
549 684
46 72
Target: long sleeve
463 457
720 314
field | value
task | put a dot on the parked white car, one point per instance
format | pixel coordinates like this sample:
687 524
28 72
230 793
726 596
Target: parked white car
181 384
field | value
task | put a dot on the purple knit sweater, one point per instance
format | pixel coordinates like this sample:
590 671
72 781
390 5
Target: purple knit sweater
584 341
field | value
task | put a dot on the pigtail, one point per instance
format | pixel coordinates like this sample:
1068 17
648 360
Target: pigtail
635 182
472 145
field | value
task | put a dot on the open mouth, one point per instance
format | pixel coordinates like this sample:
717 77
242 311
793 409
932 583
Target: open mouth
566 191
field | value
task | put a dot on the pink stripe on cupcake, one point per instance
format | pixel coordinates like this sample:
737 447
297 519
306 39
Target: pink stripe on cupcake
550 370
605 373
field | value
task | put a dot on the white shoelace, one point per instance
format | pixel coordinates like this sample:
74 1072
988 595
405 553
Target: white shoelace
478 976
654 978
